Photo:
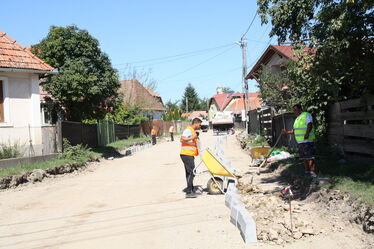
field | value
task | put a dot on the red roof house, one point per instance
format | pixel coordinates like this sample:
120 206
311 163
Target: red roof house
274 56
20 105
232 102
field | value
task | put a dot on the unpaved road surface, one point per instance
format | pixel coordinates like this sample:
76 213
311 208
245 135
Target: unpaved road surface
133 202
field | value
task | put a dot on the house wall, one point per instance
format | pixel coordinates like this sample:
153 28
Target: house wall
212 110
22 112
275 62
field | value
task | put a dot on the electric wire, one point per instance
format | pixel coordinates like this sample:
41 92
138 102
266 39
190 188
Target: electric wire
190 68
250 25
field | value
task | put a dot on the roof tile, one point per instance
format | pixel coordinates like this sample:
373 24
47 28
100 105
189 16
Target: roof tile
14 55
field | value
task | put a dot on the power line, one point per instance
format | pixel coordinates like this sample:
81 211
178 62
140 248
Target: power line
250 25
190 68
215 74
177 55
254 62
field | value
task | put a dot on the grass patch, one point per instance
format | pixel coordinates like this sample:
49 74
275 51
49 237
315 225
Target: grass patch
120 144
363 190
72 154
10 150
354 177
32 166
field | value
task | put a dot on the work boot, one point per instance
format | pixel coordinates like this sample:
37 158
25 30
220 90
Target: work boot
191 195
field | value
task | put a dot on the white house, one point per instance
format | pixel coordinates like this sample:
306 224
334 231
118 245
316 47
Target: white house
20 115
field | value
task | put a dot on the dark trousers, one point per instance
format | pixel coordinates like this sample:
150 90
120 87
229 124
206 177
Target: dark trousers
153 139
189 165
172 136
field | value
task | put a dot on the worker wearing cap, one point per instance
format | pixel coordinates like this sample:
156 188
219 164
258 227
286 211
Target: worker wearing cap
189 149
305 137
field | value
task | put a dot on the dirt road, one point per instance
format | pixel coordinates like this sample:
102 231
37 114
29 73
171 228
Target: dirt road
132 202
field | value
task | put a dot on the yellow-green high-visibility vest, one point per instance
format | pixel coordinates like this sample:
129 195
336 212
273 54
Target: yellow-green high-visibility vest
300 128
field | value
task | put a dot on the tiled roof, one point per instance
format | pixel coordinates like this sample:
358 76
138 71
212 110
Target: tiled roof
283 51
198 114
223 99
136 94
154 94
237 104
14 55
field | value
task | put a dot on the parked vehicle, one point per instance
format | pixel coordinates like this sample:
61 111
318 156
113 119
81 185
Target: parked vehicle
222 123
205 125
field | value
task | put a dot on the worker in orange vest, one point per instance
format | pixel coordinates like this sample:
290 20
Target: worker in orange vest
188 152
153 134
171 131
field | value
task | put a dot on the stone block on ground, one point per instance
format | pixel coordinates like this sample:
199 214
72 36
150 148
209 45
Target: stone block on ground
247 226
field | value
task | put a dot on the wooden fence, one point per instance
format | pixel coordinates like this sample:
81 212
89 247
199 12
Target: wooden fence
351 126
283 121
78 133
162 127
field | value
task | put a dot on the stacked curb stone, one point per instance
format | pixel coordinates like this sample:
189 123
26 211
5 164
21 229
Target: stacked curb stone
240 216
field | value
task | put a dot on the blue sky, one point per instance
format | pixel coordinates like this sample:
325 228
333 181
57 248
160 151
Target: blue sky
133 31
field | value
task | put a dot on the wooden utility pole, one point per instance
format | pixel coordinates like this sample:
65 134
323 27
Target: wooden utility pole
243 45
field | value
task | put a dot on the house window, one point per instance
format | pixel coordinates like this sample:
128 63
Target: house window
1 102
46 113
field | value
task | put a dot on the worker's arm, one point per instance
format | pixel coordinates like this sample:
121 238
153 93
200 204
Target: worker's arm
308 130
186 139
287 132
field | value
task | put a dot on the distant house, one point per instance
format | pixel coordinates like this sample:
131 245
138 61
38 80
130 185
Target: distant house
195 114
20 112
233 103
134 93
275 57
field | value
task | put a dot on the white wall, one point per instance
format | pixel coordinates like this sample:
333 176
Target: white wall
275 62
22 108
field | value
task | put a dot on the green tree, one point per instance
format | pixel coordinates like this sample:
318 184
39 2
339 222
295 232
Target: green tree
127 115
191 98
86 86
173 111
340 66
204 104
227 90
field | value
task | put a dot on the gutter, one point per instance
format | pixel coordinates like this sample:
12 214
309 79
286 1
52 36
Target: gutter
6 69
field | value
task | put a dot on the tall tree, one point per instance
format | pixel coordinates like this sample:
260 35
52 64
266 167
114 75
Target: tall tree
190 99
340 66
87 84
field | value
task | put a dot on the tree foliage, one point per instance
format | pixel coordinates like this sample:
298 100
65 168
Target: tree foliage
340 67
227 90
173 111
191 98
127 115
86 85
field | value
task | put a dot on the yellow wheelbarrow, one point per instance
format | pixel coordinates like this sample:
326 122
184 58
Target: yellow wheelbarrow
258 154
220 175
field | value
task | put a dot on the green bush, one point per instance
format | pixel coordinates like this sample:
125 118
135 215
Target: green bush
257 140
77 153
10 151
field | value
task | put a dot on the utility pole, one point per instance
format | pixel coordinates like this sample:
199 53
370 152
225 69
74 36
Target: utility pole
243 45
186 104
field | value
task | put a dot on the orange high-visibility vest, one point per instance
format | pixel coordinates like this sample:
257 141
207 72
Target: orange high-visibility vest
190 148
153 132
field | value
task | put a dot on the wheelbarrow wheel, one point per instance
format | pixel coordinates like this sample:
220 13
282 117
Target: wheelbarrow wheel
214 188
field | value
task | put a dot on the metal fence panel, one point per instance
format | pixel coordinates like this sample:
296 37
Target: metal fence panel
78 133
